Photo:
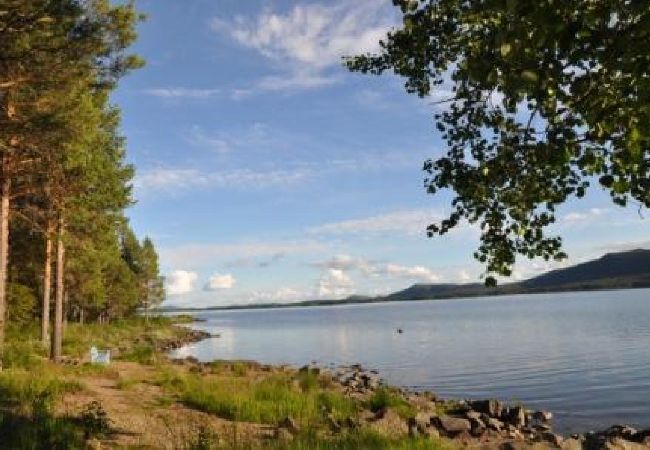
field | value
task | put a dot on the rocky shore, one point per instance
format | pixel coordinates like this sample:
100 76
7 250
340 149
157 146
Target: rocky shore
487 423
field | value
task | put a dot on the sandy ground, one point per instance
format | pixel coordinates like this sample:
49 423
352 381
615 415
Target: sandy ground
142 415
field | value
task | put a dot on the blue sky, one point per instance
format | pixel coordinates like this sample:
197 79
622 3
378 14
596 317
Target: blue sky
266 172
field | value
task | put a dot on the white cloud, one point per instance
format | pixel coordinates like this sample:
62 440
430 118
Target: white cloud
347 263
180 282
220 281
282 295
183 93
584 217
310 39
407 221
200 254
174 180
419 273
335 284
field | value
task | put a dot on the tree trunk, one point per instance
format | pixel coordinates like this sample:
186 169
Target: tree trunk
47 287
5 190
81 316
57 336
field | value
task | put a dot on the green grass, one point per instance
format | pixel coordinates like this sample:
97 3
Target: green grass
267 400
386 397
134 338
311 440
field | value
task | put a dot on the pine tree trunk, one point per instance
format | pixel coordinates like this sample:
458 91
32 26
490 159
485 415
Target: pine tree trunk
57 336
47 287
5 189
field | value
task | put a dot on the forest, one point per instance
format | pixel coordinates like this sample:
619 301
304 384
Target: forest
67 251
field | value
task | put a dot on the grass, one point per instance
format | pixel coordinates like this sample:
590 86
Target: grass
386 397
311 440
134 338
262 400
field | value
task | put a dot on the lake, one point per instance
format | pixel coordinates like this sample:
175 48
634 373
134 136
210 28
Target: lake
584 356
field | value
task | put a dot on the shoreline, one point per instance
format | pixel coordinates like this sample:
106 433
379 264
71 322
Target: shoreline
382 300
490 423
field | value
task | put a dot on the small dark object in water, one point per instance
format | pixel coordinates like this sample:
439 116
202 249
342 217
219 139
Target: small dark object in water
400 331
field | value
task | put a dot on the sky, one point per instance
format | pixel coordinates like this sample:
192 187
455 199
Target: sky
268 173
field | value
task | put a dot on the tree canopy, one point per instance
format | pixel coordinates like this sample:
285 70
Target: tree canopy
64 181
537 102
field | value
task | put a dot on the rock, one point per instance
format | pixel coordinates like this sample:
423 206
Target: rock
473 415
492 408
617 443
515 434
389 423
478 427
289 424
412 424
624 431
431 432
494 424
453 426
572 444
423 420
542 416
552 438
516 416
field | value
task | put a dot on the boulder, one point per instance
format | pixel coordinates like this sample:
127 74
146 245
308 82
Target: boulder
473 415
617 443
516 416
571 444
453 426
542 416
554 439
492 407
494 424
423 419
389 423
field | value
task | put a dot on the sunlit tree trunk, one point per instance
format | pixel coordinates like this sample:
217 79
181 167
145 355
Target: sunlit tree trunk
47 286
5 190
57 336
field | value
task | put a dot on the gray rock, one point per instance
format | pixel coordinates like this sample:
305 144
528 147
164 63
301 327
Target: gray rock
572 444
542 416
617 443
554 439
423 420
494 424
453 425
473 415
516 416
492 408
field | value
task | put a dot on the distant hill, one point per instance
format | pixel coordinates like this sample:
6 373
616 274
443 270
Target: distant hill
635 263
622 270
629 269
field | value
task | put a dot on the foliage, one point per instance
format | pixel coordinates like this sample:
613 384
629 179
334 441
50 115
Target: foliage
94 420
22 303
545 99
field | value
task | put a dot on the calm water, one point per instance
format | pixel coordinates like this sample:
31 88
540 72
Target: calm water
584 356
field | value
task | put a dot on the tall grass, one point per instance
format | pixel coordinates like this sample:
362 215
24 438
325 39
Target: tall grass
386 397
262 400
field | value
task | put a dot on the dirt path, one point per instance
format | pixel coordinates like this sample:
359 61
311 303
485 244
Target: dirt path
142 415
